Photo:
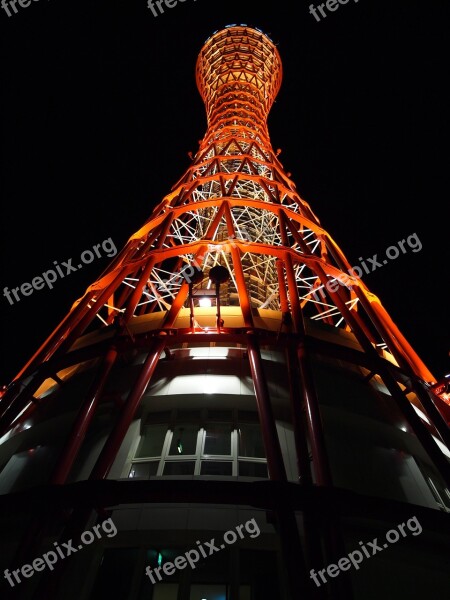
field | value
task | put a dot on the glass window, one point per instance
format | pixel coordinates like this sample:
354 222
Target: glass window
216 467
188 416
218 439
200 591
165 591
194 445
248 416
245 592
152 441
144 470
184 440
250 469
182 467
220 415
159 417
250 441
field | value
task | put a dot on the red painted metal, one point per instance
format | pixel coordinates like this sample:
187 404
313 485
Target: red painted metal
83 420
112 445
274 456
235 207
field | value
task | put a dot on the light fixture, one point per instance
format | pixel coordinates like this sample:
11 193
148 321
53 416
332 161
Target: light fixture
205 302
217 275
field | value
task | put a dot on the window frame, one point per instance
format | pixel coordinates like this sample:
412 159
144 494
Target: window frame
205 416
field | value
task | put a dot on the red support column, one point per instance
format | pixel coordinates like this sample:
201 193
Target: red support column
84 419
321 463
309 396
112 445
298 416
269 431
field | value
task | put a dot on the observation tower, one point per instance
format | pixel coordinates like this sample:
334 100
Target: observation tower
228 372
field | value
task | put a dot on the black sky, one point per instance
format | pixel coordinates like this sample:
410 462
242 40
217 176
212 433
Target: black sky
100 109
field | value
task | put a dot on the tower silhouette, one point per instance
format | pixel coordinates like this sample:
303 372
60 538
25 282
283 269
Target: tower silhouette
229 363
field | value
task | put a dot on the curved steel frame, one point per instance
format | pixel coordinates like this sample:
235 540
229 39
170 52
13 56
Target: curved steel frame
235 206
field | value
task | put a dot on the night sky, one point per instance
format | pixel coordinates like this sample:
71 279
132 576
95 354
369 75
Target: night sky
100 109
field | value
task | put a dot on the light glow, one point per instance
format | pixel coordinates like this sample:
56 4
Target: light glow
205 302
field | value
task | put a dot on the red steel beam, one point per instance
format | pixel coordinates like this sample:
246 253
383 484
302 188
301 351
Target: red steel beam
112 445
269 431
83 420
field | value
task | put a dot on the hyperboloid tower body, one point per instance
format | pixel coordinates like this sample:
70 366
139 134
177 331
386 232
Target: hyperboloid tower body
229 394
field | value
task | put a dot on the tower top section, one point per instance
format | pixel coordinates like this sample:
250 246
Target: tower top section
239 59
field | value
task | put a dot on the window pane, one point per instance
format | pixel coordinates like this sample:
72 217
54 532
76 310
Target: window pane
209 591
188 416
248 416
245 592
249 469
140 470
220 415
165 591
182 467
159 417
144 469
215 467
115 574
250 441
152 441
218 439
184 440
159 591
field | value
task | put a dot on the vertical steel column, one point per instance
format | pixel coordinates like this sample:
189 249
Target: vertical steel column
270 436
297 413
218 317
331 530
322 469
293 296
112 445
84 419
321 463
191 308
284 304
313 547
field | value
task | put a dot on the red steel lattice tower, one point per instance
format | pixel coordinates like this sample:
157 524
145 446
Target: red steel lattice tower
232 255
